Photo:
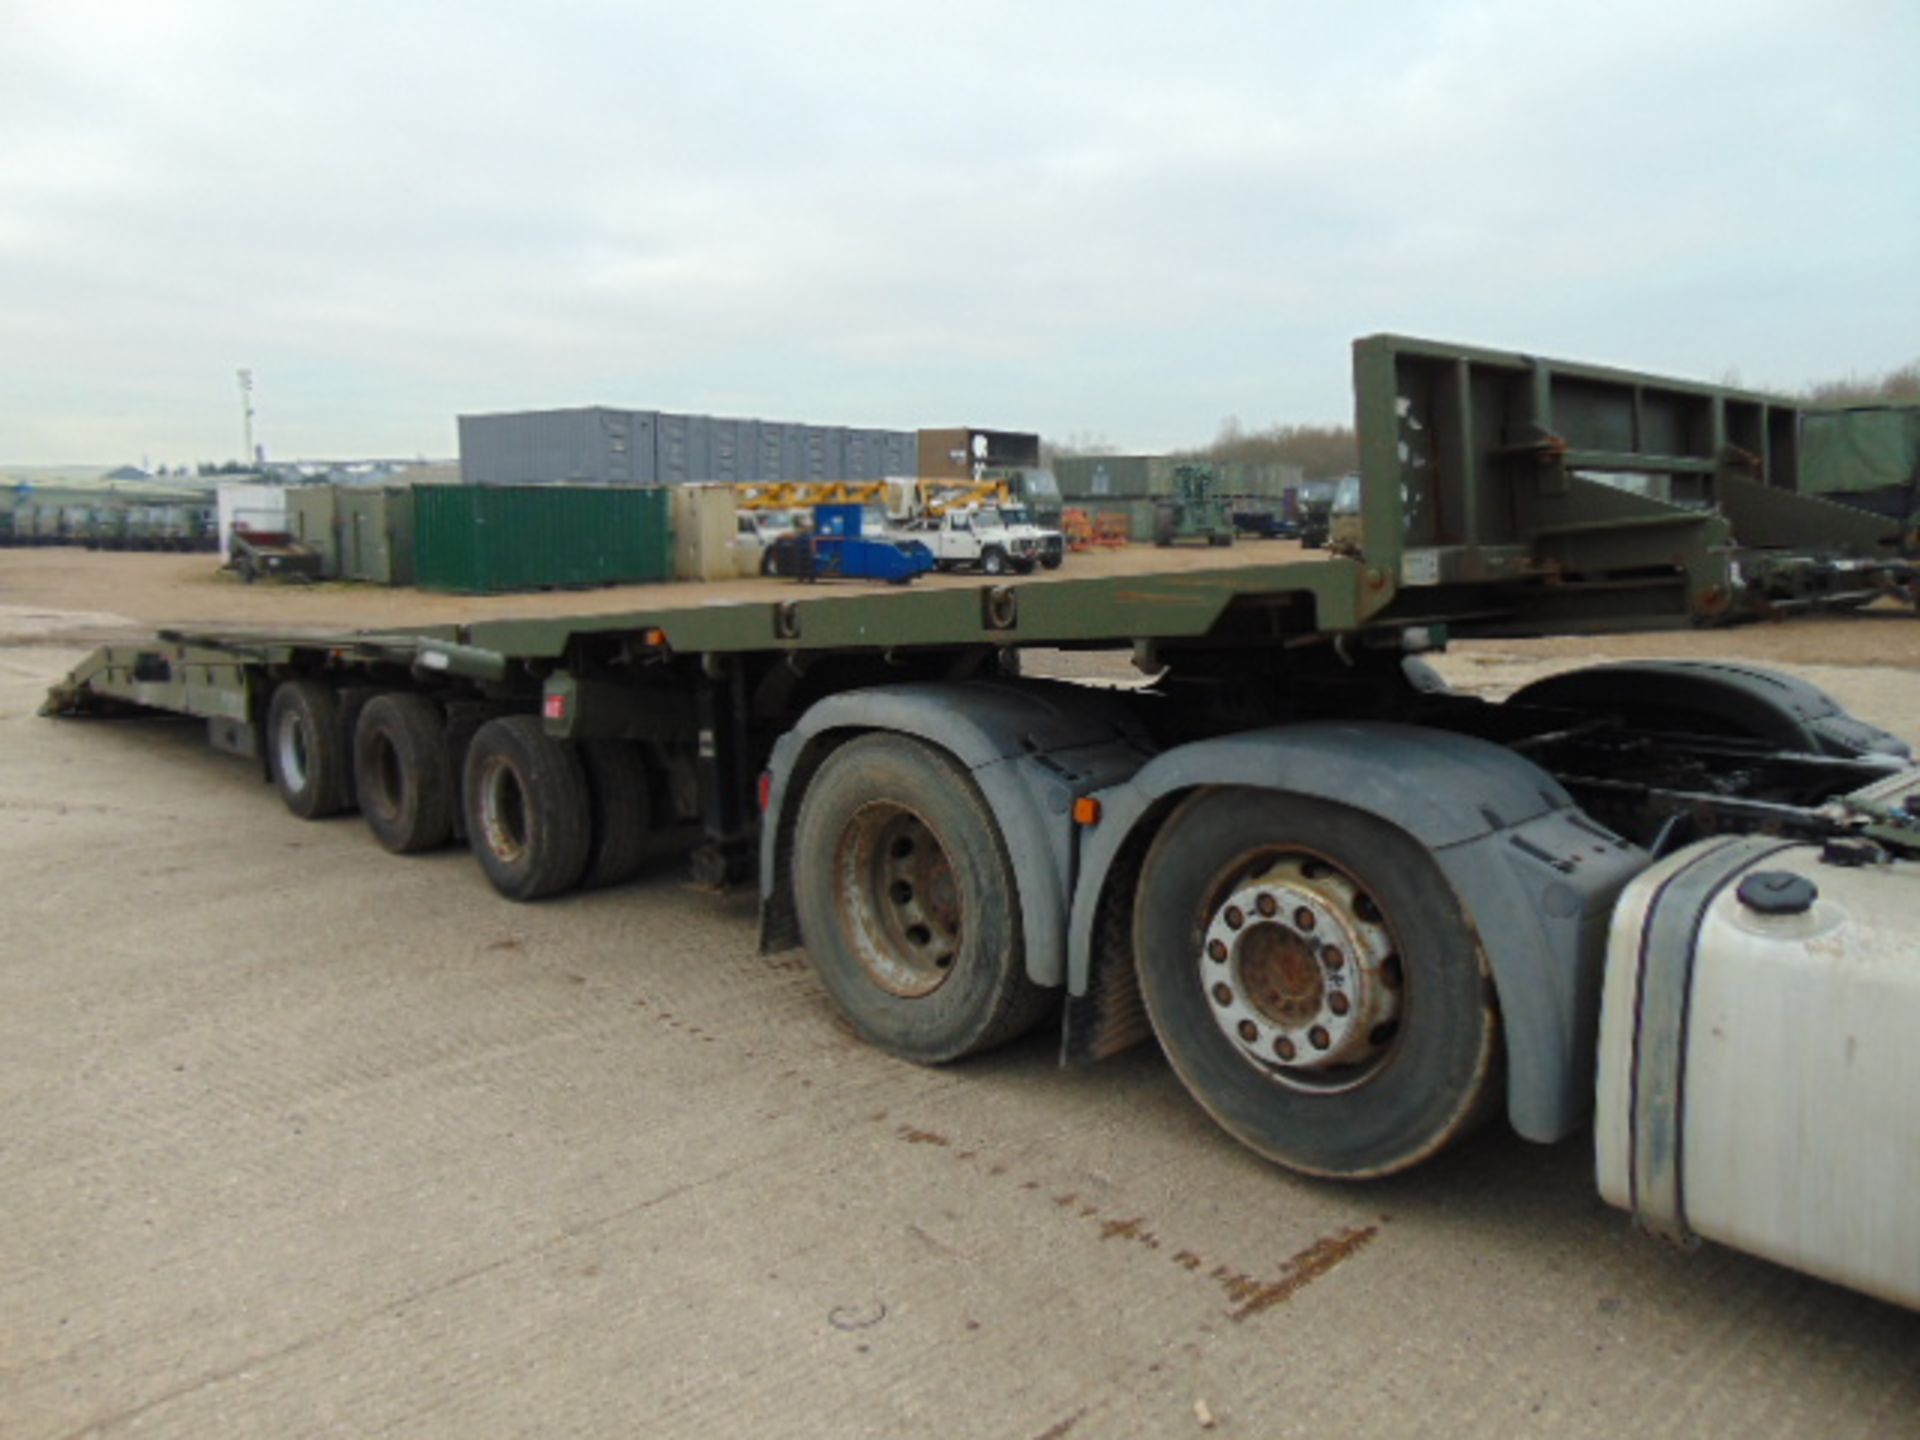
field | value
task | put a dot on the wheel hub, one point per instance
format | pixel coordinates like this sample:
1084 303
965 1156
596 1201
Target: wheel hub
293 751
898 895
1301 974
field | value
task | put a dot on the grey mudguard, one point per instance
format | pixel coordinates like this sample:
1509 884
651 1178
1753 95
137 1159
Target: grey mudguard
1032 748
1536 877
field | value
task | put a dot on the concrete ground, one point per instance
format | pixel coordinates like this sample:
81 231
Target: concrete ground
300 1138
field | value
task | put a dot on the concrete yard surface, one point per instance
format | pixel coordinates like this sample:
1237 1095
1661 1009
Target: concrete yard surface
299 1138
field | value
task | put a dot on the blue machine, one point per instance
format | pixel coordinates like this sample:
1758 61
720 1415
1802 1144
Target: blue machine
840 550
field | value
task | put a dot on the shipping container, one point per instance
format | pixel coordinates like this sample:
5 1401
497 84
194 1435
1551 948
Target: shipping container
313 518
483 539
598 445
1860 450
375 534
594 445
960 452
705 524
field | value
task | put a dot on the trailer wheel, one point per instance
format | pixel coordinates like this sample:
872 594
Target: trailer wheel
402 775
306 751
905 900
993 561
529 818
1314 982
617 790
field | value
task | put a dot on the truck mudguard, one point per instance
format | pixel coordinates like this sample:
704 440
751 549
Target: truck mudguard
1032 747
1536 877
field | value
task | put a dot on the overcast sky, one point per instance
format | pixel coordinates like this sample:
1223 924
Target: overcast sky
1088 219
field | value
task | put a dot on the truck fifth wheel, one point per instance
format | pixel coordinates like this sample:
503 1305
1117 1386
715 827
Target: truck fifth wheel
1359 912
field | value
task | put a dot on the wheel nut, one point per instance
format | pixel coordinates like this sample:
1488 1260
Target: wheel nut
1319 1038
1223 994
1303 918
1217 949
1267 905
1331 957
1249 1032
1283 1047
1337 1003
1235 918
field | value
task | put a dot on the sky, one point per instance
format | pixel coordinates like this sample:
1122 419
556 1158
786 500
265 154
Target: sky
1107 221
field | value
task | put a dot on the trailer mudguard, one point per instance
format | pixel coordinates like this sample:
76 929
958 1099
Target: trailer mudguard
1032 747
1536 877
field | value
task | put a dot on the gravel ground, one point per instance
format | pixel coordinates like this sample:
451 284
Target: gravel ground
298 1138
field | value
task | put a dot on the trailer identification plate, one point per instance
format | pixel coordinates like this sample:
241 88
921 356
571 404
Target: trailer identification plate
1420 567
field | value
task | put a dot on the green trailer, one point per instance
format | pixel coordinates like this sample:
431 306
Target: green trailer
1360 912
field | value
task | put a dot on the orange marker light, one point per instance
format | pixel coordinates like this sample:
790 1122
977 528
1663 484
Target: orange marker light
1086 811
656 638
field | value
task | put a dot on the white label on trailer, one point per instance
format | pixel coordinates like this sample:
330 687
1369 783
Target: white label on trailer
1420 567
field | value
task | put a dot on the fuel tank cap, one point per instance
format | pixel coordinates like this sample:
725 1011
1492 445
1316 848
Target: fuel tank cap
1777 892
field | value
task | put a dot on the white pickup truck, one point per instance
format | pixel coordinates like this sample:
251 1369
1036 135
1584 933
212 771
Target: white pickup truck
991 538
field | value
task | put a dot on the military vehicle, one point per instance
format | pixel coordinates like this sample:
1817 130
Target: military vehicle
1360 912
1195 510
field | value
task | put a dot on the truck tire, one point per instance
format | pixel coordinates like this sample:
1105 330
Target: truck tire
529 816
904 894
1314 982
307 753
620 812
1165 523
402 775
993 561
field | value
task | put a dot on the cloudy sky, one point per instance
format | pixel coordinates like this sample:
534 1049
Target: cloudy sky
1110 219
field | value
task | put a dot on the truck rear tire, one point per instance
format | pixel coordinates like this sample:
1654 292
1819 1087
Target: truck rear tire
621 814
402 775
1314 982
905 898
529 817
993 561
307 753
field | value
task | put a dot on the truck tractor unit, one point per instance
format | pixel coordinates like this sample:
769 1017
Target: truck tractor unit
1361 913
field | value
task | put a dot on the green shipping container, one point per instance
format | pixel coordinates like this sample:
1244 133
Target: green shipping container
1861 450
484 539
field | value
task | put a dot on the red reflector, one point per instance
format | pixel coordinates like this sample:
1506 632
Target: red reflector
555 707
766 790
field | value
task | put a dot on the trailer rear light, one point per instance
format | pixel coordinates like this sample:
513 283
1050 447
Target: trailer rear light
554 707
1086 811
763 791
656 638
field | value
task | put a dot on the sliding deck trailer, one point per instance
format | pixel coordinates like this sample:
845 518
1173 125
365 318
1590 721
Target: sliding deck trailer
1359 912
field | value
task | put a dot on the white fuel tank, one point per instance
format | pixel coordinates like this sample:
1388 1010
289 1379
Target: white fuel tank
1760 1059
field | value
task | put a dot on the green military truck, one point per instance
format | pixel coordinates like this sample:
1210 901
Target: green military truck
1361 913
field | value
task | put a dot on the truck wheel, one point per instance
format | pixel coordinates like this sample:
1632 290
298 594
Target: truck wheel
1165 522
1052 562
904 894
621 815
529 815
402 776
306 751
993 561
1314 982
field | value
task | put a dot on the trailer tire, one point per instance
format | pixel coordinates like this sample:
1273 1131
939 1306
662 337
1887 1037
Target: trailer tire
307 754
1421 1029
621 814
402 775
529 816
904 894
